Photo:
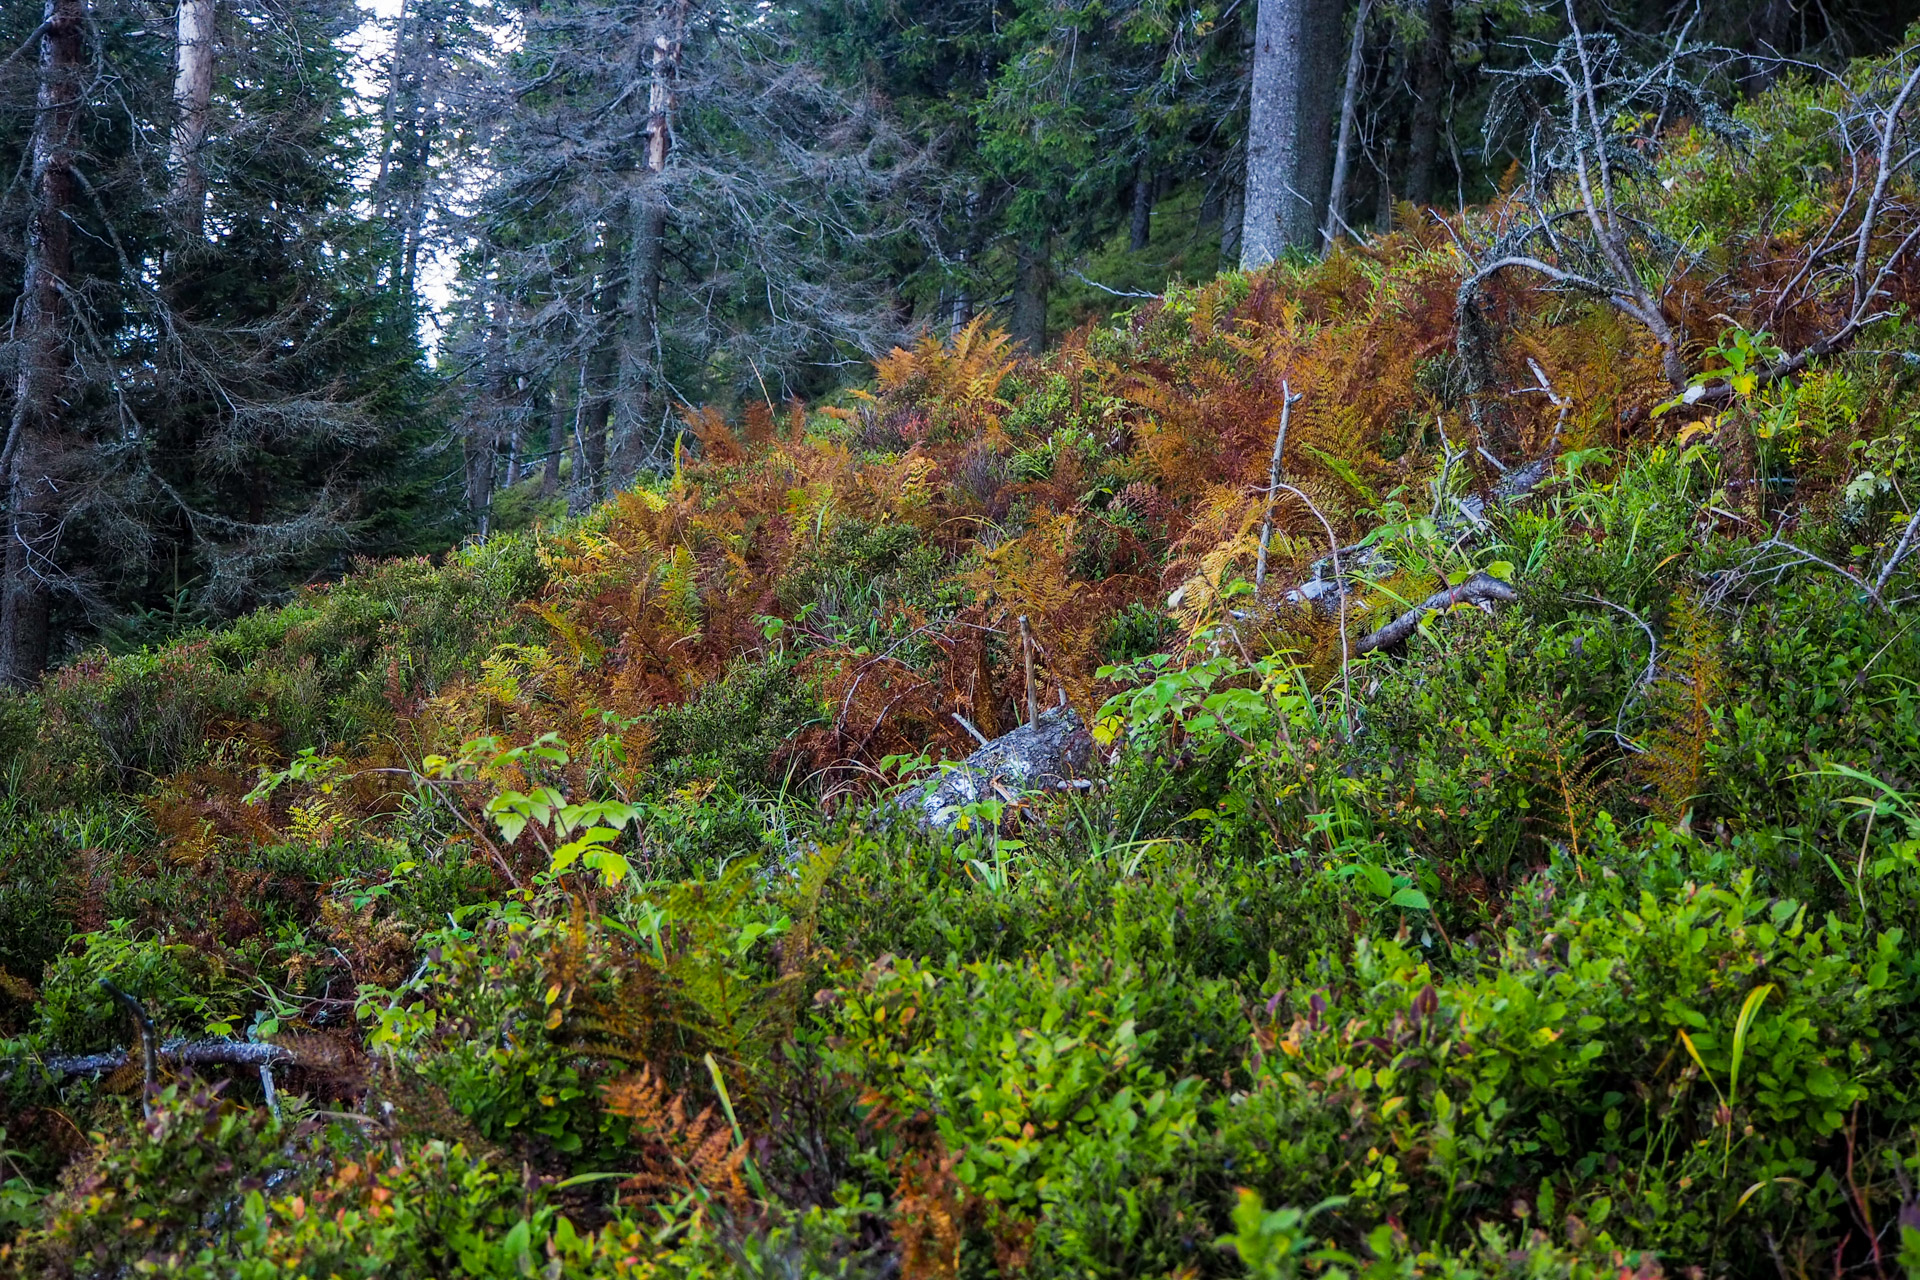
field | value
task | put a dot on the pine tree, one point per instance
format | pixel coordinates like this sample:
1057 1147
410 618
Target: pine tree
214 379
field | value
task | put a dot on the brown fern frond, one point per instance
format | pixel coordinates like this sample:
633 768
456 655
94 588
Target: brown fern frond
929 1218
677 1154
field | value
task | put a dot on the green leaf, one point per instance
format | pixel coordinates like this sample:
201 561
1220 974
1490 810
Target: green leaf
1344 469
611 864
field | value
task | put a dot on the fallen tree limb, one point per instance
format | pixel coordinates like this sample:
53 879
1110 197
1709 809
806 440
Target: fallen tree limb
1481 588
180 1052
143 1030
209 1052
1641 683
1329 578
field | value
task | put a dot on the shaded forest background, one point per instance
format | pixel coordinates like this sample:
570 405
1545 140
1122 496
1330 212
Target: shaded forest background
326 286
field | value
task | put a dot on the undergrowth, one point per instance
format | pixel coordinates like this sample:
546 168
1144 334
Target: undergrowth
1572 938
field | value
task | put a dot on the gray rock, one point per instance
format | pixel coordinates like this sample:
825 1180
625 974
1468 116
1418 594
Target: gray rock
1050 754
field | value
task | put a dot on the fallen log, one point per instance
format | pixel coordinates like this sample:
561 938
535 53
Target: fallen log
1481 588
209 1052
312 1051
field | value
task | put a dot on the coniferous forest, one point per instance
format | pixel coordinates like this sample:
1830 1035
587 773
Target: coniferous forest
918 639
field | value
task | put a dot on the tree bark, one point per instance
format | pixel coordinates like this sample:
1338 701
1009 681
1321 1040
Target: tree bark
1289 127
1140 226
40 385
636 427
192 103
1343 149
557 415
1232 215
1431 80
596 408
1033 277
637 430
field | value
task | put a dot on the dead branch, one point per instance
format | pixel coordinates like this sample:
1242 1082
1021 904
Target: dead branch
1899 553
212 1051
1632 302
143 1031
1560 402
1346 654
1449 456
1287 397
1631 294
1732 578
26 44
1480 589
1118 293
1513 486
1868 282
1645 677
1026 657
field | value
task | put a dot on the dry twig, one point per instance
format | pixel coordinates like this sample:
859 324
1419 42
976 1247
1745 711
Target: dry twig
1287 396
1346 655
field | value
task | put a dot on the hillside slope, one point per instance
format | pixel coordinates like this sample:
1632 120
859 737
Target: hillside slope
539 910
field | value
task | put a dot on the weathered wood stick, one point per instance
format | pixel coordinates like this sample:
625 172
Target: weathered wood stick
1287 397
180 1053
1026 654
1478 589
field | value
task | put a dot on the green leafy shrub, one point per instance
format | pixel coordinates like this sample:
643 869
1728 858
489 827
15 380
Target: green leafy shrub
733 731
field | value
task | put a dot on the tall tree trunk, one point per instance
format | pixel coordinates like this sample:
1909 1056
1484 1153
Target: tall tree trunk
559 411
596 410
1140 227
967 253
478 450
1432 78
192 102
1289 127
490 426
1343 149
410 124
390 109
1032 279
636 427
637 430
1232 218
40 383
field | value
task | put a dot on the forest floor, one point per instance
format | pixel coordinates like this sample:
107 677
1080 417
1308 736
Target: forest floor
1489 846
